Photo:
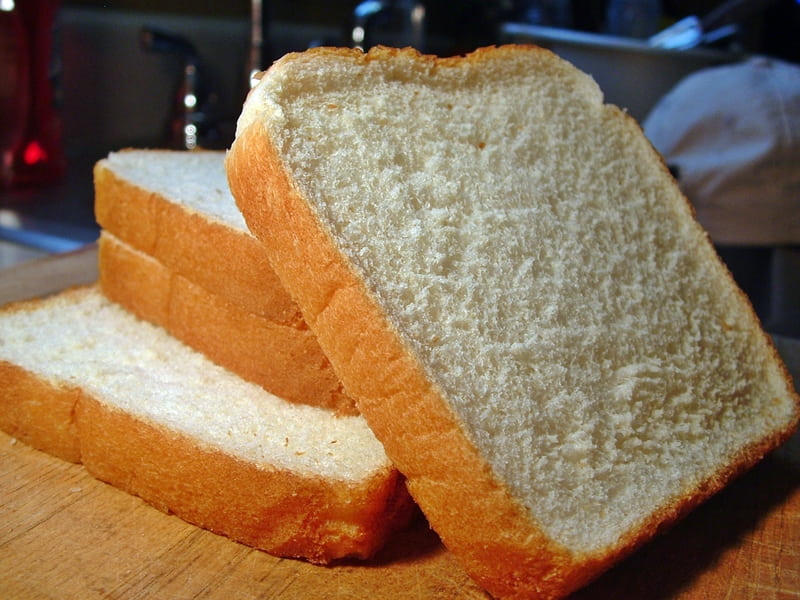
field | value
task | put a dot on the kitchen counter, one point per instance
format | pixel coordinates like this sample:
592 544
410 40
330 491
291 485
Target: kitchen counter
12 254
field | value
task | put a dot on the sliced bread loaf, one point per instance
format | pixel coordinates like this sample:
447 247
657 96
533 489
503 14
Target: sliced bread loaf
511 285
86 381
175 251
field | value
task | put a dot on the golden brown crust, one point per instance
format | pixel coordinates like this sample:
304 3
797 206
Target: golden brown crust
228 262
476 517
282 359
391 54
39 413
280 512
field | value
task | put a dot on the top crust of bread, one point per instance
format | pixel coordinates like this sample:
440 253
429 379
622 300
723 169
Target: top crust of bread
332 234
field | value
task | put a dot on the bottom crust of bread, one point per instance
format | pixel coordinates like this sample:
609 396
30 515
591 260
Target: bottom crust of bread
39 413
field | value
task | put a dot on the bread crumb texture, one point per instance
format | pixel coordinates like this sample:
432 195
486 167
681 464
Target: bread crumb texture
83 339
190 179
527 244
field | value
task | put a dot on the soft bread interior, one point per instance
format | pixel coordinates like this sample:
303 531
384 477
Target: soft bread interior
532 252
195 180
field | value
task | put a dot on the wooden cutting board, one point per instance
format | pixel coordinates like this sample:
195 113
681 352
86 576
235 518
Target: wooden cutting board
65 535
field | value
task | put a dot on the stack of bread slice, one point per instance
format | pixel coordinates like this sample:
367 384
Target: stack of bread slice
175 251
187 376
498 268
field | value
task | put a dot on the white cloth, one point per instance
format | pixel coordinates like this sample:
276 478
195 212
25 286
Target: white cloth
733 132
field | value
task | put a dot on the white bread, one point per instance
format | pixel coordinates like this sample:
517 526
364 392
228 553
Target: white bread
176 252
85 380
510 284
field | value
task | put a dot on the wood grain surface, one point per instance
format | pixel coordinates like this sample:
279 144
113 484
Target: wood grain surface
66 535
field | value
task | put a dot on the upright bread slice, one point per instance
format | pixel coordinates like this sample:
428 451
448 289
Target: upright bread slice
176 252
512 287
85 380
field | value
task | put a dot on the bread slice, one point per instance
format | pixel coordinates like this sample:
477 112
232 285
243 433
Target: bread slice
85 380
285 360
175 251
510 284
176 207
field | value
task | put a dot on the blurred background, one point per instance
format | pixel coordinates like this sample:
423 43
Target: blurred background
121 67
81 78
